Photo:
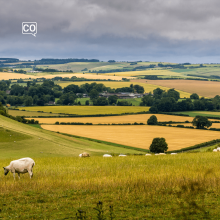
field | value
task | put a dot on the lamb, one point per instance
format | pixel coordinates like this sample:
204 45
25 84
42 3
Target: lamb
84 155
22 165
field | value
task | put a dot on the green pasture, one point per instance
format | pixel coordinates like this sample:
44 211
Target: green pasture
201 113
182 186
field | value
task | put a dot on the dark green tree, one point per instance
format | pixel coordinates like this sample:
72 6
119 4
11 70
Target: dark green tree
152 120
194 96
201 122
94 94
112 99
158 145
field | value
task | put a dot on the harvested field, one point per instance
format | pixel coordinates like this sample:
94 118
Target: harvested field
145 72
147 87
88 110
202 88
140 136
140 118
26 113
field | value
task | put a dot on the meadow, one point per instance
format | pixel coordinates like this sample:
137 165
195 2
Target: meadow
184 186
139 118
147 86
87 110
139 136
202 88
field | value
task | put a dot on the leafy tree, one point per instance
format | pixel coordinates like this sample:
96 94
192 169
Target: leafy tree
173 93
112 99
124 103
87 102
201 121
139 89
153 109
194 96
158 93
94 94
28 101
152 120
158 145
100 101
148 100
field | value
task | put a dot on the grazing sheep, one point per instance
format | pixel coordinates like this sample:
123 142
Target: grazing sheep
122 155
22 165
173 153
162 154
218 148
147 154
215 150
107 155
84 155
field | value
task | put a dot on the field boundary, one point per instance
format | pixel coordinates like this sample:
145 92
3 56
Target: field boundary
204 144
106 142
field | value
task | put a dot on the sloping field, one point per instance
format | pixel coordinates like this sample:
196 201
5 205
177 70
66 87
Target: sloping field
140 136
26 113
202 88
147 87
88 110
140 118
145 72
7 76
41 143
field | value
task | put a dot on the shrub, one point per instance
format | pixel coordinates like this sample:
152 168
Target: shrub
152 120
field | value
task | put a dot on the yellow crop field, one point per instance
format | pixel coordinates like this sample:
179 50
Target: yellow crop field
147 87
26 113
7 76
145 72
87 110
140 136
202 88
140 118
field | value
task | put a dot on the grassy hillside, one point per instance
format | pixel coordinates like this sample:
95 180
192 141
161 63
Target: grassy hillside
33 142
184 186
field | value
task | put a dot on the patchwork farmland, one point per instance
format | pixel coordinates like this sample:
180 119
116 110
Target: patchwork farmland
140 136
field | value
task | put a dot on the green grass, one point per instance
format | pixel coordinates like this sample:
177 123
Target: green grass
201 113
34 142
184 186
135 102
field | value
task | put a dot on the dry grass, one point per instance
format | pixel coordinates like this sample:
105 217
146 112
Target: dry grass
88 110
202 88
140 118
140 136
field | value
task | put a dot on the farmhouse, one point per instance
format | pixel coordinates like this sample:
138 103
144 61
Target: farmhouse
121 95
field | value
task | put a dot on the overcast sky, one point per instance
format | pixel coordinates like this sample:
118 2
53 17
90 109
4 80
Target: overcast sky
147 30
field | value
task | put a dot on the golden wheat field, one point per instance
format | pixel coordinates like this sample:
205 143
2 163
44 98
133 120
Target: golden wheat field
140 118
145 72
147 87
7 76
140 136
87 110
202 88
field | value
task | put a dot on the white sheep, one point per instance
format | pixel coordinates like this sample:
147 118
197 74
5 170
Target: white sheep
84 155
148 155
162 154
122 155
107 155
173 153
215 150
22 165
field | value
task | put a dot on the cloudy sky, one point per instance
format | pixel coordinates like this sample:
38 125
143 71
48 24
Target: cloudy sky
148 30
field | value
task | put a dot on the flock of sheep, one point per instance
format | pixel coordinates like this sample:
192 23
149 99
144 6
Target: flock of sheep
121 155
25 165
216 150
